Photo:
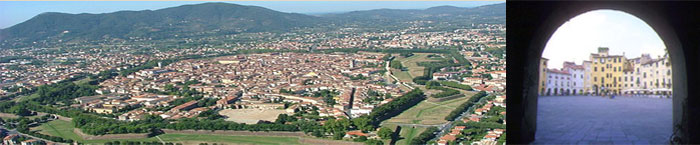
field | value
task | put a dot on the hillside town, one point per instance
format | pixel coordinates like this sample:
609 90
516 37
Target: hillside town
31 67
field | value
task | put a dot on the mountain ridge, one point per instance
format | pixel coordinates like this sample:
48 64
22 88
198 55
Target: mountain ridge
211 18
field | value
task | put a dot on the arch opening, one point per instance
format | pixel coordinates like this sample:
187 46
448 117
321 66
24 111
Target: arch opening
603 90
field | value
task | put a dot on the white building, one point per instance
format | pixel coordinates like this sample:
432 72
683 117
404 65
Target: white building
558 82
648 76
577 77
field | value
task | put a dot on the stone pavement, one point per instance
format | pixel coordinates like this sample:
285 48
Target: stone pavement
599 120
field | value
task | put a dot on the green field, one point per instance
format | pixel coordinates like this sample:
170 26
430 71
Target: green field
412 64
59 128
403 76
408 133
427 112
65 129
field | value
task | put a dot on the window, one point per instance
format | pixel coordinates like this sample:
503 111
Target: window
602 69
595 69
595 79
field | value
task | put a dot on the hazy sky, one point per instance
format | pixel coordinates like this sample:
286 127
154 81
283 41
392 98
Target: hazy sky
15 12
583 34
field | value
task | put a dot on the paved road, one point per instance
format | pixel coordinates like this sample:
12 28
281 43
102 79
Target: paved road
599 120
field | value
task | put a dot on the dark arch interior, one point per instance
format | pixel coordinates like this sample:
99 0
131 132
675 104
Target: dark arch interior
530 25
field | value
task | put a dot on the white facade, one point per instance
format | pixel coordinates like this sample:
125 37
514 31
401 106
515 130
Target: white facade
558 82
648 76
577 77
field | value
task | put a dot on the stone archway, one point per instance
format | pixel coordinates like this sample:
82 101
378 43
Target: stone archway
532 23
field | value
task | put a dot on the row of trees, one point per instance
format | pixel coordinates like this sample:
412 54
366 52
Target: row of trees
445 91
433 66
396 106
465 106
63 92
397 65
456 85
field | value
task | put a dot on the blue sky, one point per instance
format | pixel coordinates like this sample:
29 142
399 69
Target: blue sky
15 12
576 39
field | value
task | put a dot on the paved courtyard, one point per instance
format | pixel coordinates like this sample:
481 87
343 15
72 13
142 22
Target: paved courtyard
599 120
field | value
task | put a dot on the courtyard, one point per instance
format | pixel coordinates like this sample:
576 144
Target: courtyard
602 120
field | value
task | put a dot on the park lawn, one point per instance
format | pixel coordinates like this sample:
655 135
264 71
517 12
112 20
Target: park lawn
427 112
408 133
412 63
64 129
59 128
403 76
209 138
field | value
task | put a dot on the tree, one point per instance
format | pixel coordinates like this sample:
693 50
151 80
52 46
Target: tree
363 123
317 133
385 133
338 135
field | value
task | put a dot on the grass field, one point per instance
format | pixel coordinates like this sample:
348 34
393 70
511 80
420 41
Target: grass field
412 64
427 112
59 128
403 76
64 129
408 133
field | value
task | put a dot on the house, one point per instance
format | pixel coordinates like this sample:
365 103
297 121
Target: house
440 76
448 138
479 111
498 131
10 139
31 142
355 133
491 136
186 106
225 101
109 110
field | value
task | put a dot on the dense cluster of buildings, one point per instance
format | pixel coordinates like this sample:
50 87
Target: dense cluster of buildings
608 74
52 65
260 81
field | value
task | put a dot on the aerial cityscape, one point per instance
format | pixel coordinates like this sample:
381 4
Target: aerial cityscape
224 73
